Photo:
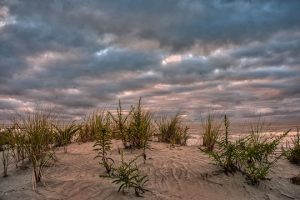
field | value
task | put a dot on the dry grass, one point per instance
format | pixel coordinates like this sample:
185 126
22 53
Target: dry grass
171 130
211 131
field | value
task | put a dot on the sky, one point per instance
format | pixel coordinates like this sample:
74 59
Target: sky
241 58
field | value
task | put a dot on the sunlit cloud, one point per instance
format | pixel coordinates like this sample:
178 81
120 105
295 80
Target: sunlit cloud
172 59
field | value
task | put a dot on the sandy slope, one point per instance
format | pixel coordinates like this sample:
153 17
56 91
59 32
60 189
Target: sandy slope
177 173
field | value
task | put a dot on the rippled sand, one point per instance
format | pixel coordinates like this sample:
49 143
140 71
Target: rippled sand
174 173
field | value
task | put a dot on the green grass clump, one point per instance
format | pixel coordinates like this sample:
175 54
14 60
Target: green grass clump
134 128
257 155
171 130
88 129
139 129
121 124
37 128
127 175
253 155
292 151
103 142
225 155
211 131
64 133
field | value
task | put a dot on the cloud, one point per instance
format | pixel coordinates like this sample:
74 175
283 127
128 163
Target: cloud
234 56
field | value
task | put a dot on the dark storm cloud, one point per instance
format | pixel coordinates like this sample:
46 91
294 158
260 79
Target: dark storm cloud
79 55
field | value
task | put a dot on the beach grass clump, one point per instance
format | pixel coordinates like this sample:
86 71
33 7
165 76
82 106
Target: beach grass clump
38 141
257 155
133 127
211 131
121 124
171 130
63 134
139 129
292 150
225 155
253 155
103 142
128 176
88 129
257 152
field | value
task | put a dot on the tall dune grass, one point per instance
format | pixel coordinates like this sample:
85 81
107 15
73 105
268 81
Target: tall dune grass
140 127
171 130
88 129
226 153
211 131
63 134
38 131
121 121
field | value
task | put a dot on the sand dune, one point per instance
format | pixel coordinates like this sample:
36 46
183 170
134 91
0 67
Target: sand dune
174 173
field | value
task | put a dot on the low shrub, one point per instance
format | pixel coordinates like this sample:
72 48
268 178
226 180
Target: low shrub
171 130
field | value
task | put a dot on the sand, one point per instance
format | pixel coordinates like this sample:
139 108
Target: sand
174 173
